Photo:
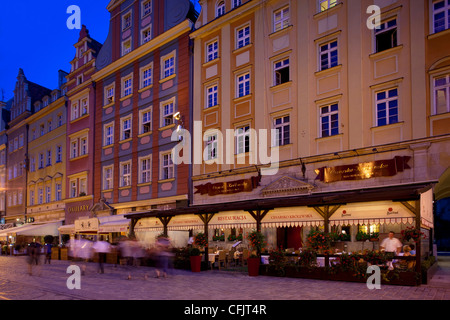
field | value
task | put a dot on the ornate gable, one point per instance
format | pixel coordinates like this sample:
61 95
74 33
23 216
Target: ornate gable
287 186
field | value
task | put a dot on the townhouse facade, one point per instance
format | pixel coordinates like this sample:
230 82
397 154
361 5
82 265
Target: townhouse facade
26 93
80 138
46 159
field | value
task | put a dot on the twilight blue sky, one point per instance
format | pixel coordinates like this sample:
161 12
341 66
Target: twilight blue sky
34 37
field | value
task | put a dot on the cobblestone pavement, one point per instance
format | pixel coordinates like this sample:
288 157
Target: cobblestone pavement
48 282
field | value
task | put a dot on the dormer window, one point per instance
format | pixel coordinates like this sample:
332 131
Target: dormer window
79 79
45 101
126 21
220 9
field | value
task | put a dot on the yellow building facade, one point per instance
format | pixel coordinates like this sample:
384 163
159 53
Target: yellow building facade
46 164
346 90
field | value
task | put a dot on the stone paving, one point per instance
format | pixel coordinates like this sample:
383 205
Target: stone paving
48 282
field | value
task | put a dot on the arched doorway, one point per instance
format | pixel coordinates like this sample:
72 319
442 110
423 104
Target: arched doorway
442 212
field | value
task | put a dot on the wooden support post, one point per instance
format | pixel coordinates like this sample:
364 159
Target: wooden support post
326 214
165 221
258 215
206 218
416 211
132 225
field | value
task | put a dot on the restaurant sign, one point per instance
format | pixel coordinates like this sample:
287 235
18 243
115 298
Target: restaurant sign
86 225
230 187
362 171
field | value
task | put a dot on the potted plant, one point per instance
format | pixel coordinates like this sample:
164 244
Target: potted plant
411 233
231 237
200 240
319 241
195 256
256 240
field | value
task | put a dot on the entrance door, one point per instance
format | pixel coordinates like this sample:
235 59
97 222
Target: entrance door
289 237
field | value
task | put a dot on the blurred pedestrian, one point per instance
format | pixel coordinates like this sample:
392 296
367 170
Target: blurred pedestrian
126 254
163 256
102 248
48 253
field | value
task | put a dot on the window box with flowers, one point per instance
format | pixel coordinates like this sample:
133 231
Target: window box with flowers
219 238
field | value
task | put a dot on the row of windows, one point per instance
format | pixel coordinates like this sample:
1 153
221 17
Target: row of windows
168 67
440 13
167 171
43 129
45 159
167 110
44 194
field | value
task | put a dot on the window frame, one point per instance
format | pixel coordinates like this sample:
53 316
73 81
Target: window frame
123 129
282 19
384 28
446 87
107 136
280 128
282 67
125 168
147 170
434 12
148 122
329 54
245 135
328 115
245 91
244 40
169 166
387 100
108 180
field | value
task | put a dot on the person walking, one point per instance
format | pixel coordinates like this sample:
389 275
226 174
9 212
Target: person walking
48 253
102 248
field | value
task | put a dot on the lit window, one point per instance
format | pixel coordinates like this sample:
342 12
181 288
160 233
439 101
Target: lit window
326 4
441 94
281 19
126 47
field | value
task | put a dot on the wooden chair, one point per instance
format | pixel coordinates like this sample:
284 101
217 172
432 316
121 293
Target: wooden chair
230 257
222 259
